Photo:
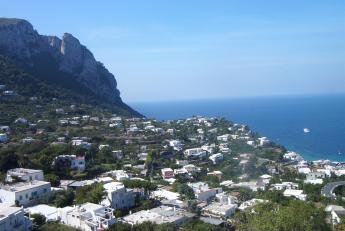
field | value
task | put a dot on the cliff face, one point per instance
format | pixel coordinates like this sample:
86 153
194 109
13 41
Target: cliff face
67 57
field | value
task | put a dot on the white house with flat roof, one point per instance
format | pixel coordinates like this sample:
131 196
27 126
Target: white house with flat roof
336 213
298 194
24 193
160 215
81 143
118 197
87 217
76 162
195 153
224 137
13 219
216 158
176 144
120 175
24 174
49 212
202 191
219 210
251 203
165 194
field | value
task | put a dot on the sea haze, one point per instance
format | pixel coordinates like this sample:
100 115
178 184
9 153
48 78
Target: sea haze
281 119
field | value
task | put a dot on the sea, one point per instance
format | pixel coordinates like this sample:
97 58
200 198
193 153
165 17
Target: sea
281 119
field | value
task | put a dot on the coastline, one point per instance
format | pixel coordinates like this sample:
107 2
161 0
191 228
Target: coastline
281 119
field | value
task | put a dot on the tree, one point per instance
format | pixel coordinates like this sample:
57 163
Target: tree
38 219
296 215
186 191
58 198
90 193
198 225
53 179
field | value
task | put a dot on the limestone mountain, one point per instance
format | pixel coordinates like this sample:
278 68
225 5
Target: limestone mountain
64 62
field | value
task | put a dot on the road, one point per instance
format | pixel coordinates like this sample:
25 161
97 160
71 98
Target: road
328 189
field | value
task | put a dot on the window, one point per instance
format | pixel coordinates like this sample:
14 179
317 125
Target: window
26 196
20 197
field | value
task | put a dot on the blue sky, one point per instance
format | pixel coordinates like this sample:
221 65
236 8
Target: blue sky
166 50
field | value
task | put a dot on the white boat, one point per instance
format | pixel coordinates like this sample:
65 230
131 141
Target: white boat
306 130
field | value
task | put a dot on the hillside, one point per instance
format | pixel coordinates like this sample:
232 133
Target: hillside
62 64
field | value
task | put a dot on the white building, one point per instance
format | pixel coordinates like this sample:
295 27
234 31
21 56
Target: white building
298 194
265 178
87 217
24 174
103 146
216 158
251 203
118 197
176 144
159 215
3 138
293 156
223 138
191 168
133 128
195 153
171 131
224 198
208 148
263 141
77 162
251 142
28 140
120 175
23 193
49 212
285 185
81 143
335 213
202 191
219 210
316 175
304 170
165 194
13 219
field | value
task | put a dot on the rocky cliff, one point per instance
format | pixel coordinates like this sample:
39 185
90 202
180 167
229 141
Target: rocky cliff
62 61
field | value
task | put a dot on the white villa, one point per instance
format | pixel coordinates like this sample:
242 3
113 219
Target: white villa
87 217
23 193
216 158
203 192
24 174
13 219
118 197
195 153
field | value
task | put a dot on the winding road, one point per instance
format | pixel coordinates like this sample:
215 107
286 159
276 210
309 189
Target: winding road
328 189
